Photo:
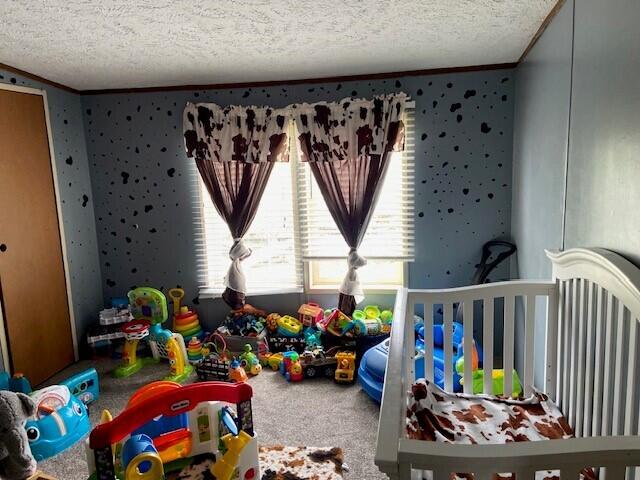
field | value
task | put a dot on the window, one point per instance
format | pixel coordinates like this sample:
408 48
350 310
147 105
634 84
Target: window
295 242
388 242
274 265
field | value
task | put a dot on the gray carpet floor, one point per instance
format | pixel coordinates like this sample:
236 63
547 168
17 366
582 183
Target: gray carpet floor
317 413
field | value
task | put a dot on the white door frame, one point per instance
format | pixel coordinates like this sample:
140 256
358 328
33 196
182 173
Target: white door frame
3 334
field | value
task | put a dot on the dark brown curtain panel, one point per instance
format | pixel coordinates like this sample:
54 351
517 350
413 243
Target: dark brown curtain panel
235 149
348 146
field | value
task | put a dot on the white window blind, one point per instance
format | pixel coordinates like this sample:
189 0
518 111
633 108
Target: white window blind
275 265
390 235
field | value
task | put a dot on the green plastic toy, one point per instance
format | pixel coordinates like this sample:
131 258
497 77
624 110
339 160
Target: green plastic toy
497 380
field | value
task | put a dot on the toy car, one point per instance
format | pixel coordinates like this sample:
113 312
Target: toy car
236 372
60 421
291 368
271 359
346 367
317 363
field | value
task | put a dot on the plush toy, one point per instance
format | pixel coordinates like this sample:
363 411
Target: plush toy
16 461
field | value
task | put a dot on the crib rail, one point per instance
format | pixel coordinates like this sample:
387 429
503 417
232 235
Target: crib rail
611 456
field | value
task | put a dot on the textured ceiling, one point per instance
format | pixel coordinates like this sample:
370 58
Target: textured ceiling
138 43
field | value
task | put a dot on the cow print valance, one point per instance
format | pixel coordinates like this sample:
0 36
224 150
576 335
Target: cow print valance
236 133
350 128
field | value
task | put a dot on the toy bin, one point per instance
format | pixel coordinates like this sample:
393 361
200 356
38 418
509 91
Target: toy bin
366 342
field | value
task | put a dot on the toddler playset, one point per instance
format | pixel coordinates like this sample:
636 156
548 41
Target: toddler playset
165 424
148 308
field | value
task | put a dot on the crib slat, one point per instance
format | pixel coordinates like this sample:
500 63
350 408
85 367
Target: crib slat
596 425
575 301
632 361
566 346
507 361
608 364
467 320
588 382
580 374
409 339
551 349
428 345
616 472
487 339
447 319
529 344
619 368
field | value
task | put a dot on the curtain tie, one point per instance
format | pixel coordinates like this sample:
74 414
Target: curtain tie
235 278
351 283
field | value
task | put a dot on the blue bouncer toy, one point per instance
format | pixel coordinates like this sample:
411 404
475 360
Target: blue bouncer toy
374 361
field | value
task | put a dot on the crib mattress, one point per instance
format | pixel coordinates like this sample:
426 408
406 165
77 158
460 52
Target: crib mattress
436 415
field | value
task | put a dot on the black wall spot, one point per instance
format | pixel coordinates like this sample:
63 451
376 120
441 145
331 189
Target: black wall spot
442 134
398 84
171 172
111 283
484 128
419 92
69 160
469 93
85 200
125 177
148 208
455 106
13 80
421 214
450 210
449 85
458 118
245 94
490 195
423 136
128 118
163 149
465 191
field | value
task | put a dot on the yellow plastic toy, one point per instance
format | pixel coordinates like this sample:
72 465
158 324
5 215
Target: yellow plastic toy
289 326
145 466
224 468
346 367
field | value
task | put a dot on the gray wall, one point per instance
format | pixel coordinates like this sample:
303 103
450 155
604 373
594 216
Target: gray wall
577 123
603 194
144 185
540 139
76 198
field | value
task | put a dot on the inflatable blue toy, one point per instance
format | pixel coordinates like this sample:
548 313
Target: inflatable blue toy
374 361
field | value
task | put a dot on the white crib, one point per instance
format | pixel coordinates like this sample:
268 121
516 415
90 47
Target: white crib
591 371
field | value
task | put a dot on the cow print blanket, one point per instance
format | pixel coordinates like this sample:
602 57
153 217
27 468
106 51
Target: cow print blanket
439 416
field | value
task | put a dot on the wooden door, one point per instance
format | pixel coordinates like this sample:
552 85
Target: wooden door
33 290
